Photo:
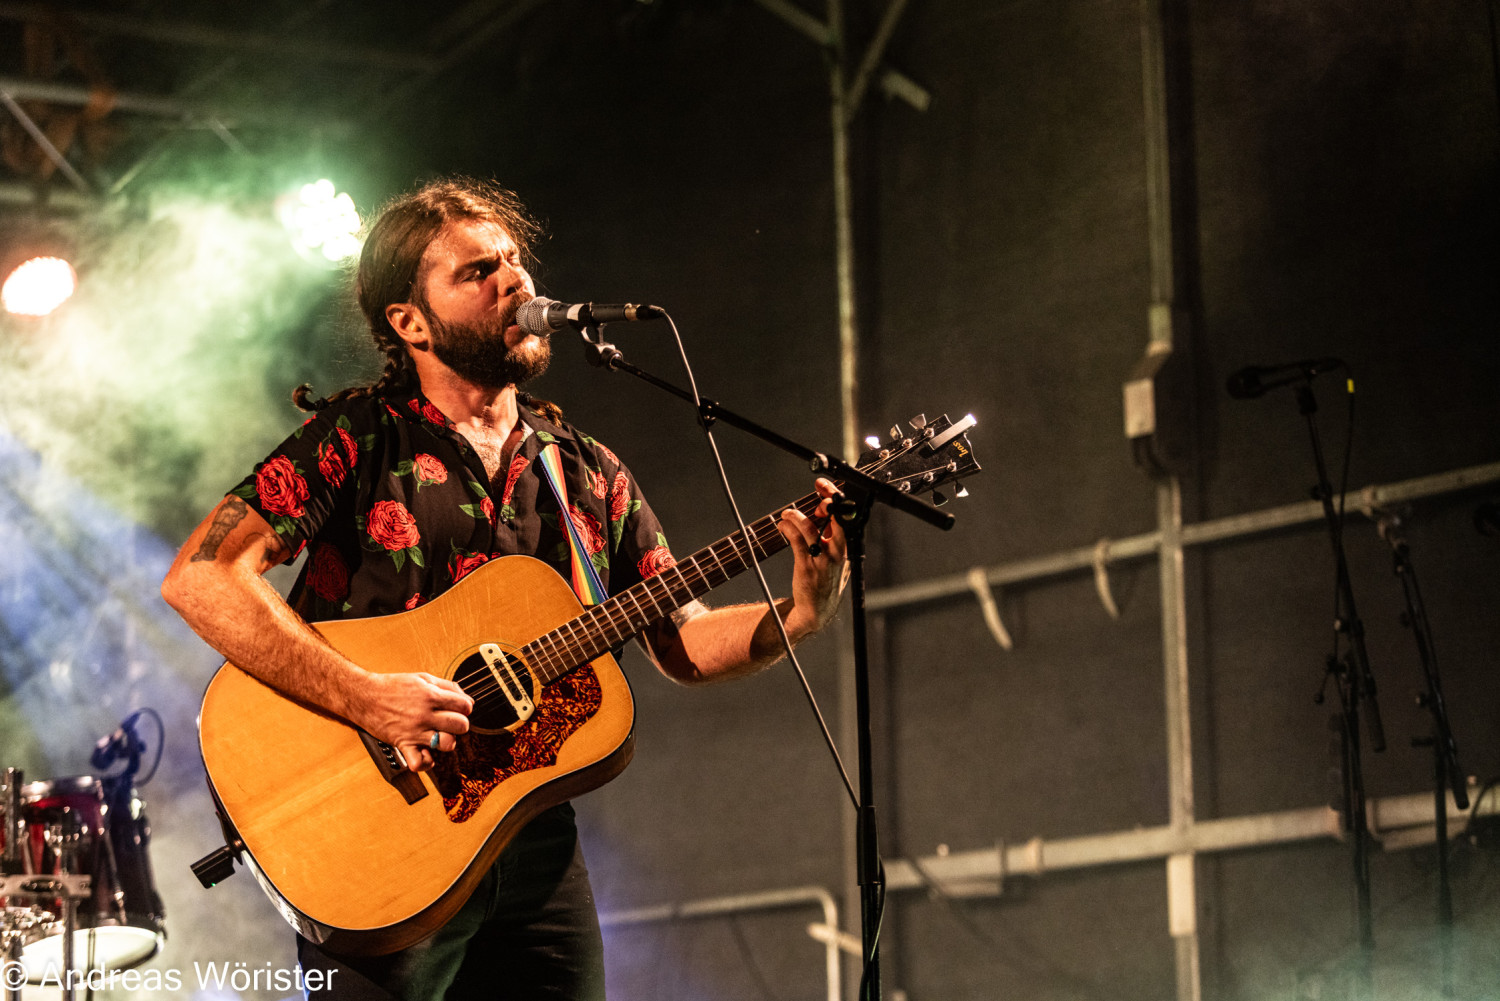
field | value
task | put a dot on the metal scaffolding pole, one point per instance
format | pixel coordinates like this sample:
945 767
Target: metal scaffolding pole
827 932
1147 544
150 104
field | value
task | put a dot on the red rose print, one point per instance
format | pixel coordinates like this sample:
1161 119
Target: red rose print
280 488
517 464
413 601
598 483
655 561
331 464
429 411
327 576
487 508
351 450
607 453
588 530
392 525
461 563
619 498
430 469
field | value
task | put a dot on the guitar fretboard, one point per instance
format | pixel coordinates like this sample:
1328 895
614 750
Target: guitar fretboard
612 622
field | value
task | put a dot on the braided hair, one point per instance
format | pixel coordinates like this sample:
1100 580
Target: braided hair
390 260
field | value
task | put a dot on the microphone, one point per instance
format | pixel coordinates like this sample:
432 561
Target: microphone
1256 380
124 741
541 316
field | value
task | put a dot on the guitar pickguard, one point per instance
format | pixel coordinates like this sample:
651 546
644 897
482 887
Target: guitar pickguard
481 761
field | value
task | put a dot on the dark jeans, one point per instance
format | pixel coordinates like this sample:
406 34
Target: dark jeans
528 931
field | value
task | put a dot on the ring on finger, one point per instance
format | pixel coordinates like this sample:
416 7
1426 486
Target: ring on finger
435 740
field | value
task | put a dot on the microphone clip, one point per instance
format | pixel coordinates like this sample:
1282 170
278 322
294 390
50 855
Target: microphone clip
596 350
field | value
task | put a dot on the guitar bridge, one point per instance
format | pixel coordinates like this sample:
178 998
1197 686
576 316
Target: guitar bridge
509 681
393 768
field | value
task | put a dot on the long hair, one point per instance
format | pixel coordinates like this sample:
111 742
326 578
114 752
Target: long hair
389 265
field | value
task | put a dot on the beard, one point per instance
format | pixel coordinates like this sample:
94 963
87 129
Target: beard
477 352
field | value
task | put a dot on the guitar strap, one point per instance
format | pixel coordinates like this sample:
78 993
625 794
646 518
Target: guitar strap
585 578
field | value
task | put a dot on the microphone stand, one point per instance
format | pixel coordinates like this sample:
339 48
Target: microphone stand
861 492
1356 684
1447 772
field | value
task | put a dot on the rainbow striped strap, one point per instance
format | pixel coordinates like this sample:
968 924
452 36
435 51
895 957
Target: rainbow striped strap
585 578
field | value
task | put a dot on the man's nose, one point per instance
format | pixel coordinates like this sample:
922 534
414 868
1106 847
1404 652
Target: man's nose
517 280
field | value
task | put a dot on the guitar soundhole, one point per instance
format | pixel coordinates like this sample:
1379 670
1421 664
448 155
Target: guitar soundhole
493 712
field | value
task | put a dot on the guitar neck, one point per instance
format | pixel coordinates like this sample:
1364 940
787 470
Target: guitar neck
612 622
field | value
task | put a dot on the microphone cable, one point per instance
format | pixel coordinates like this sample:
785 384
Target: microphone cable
765 588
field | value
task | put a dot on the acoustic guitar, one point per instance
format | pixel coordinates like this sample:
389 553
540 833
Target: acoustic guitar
366 857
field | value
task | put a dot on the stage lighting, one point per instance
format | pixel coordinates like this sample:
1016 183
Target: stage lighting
38 286
322 221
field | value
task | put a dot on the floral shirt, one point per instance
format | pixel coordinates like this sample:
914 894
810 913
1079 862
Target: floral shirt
395 506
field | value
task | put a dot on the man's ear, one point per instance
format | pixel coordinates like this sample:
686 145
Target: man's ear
409 324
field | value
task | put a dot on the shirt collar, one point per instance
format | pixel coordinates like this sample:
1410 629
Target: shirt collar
536 422
417 407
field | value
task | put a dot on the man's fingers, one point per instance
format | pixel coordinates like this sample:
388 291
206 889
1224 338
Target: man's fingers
450 722
418 758
447 695
796 526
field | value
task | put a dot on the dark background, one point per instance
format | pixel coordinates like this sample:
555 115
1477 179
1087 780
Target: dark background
1344 162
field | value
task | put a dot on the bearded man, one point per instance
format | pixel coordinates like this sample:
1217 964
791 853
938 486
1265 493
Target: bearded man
397 491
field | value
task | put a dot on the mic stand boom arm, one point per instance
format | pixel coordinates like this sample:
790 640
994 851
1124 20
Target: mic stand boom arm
605 355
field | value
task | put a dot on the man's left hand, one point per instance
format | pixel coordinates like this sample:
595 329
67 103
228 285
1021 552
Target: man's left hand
817 580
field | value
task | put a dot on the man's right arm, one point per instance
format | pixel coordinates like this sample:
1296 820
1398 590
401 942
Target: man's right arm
217 585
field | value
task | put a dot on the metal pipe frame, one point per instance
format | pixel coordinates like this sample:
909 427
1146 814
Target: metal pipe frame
35 131
1148 544
798 896
1402 822
150 104
1405 821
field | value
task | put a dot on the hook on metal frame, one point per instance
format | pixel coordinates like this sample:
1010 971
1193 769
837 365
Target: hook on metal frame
1101 579
979 583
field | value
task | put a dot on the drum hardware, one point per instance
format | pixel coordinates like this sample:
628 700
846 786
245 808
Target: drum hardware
20 883
75 869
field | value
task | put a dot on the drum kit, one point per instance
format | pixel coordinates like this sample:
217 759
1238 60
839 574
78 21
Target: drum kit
76 889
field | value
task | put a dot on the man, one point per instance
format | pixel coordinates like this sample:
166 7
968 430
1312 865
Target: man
398 491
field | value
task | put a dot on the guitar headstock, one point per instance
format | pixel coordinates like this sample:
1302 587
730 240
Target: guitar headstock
931 456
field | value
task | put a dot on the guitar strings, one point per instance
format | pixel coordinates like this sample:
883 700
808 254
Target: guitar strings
568 653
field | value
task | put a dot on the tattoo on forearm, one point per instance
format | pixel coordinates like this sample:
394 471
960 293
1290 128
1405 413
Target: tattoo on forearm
230 514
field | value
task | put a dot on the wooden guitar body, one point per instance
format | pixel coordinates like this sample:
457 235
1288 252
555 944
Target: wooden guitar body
367 858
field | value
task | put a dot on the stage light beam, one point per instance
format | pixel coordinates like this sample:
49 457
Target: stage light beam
38 286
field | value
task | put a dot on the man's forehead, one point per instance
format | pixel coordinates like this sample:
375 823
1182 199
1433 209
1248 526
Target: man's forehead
464 240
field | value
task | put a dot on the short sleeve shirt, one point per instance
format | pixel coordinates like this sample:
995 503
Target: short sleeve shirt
394 506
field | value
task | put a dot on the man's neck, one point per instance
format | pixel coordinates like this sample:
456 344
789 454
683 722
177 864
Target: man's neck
479 408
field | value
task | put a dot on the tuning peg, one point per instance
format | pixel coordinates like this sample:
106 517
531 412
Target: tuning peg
938 498
918 422
895 432
962 492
